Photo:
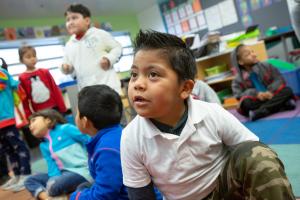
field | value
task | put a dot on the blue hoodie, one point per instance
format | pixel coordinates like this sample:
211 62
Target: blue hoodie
105 167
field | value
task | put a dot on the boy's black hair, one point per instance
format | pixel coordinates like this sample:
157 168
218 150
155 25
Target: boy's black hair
78 8
173 48
54 116
101 105
24 49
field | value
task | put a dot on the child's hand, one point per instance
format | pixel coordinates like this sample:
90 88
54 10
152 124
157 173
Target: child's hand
268 95
67 68
104 63
261 96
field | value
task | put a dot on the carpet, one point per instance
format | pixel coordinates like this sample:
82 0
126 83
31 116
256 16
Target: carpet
281 131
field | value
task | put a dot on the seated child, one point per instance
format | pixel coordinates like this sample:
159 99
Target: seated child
204 92
99 114
188 148
38 84
63 148
11 144
259 86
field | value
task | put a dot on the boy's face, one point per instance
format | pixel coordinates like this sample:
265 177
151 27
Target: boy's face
29 59
84 125
154 90
39 126
76 23
80 122
247 56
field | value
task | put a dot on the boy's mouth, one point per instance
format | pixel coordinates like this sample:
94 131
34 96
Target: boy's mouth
139 99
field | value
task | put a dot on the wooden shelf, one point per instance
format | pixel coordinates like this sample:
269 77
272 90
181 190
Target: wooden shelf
229 78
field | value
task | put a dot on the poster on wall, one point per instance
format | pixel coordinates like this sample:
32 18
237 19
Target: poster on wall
244 8
196 6
185 26
178 29
182 12
247 20
175 16
255 4
213 18
228 12
193 23
189 9
201 21
168 19
171 30
266 3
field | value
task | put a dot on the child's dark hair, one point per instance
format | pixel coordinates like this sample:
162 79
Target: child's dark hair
173 48
78 8
54 116
24 49
101 105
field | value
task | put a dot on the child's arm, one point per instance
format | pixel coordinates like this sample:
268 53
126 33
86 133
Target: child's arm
25 100
56 92
113 49
135 175
66 67
239 91
143 193
278 81
12 83
108 180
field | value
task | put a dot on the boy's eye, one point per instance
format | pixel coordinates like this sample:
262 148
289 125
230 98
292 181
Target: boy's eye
153 74
133 74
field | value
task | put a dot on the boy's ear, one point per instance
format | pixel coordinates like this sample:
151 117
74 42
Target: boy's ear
88 20
85 122
187 88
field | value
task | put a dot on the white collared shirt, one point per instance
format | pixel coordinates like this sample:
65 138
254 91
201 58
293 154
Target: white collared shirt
183 167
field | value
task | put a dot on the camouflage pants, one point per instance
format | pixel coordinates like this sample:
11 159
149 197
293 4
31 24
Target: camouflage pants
252 172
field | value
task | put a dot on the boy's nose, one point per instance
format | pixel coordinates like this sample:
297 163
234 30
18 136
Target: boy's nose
140 84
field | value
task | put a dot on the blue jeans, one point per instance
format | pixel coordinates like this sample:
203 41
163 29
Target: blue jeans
54 186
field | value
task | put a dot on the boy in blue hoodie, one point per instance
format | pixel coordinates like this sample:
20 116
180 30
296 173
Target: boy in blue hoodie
99 114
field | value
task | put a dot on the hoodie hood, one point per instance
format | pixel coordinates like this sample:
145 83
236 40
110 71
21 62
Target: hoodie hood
235 63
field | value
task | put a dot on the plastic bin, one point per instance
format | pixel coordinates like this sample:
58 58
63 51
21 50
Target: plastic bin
216 70
292 79
224 94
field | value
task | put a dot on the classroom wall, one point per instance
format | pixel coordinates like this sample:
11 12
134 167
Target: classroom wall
151 19
119 22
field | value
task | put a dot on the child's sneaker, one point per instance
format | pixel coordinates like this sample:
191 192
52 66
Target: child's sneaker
20 184
257 114
290 105
12 181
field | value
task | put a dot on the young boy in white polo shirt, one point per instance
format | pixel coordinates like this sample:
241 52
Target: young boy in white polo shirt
188 148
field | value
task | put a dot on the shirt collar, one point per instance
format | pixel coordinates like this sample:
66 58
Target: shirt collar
194 117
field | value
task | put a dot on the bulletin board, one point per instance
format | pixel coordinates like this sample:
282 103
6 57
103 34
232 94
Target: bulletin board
183 17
